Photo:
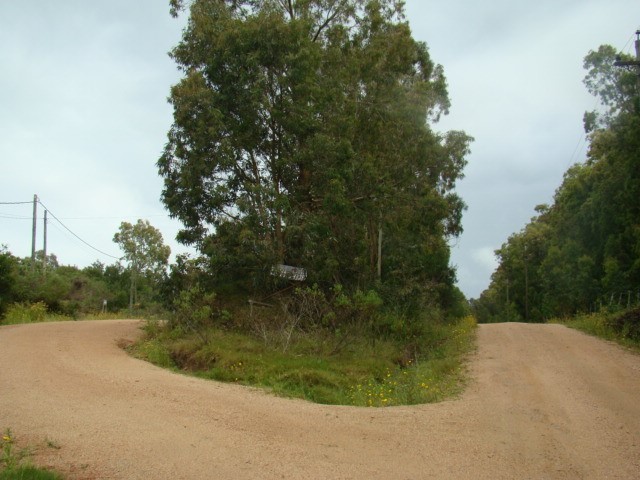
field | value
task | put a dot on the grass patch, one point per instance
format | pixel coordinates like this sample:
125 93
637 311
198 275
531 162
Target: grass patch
27 472
14 464
620 327
365 373
19 313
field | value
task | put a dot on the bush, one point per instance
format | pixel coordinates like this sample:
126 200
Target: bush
25 313
626 324
196 311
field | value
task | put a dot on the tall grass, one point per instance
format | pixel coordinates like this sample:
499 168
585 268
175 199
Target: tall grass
617 327
14 464
19 313
365 373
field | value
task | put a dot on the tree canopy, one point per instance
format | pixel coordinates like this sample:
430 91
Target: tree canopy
144 249
301 136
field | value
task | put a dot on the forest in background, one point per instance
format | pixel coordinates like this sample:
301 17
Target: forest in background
581 253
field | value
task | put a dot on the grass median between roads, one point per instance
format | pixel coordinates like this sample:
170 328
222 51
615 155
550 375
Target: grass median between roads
365 372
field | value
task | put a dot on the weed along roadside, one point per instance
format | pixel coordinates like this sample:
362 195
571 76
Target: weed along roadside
622 327
374 360
15 461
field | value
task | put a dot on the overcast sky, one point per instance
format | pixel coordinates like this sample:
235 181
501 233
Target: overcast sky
84 117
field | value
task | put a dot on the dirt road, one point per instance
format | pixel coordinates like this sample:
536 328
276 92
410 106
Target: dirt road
544 402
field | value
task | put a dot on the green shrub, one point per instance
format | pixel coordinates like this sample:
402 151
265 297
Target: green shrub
626 324
14 465
25 313
196 310
621 327
428 369
27 472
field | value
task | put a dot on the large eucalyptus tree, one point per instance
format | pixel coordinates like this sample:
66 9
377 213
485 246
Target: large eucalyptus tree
301 136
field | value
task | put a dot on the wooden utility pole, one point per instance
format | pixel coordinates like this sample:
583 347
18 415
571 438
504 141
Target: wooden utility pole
33 232
636 63
526 286
507 290
380 251
44 247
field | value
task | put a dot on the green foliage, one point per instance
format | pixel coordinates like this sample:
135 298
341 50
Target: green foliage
147 255
9 460
301 137
584 249
68 291
13 465
626 324
311 368
155 352
196 311
430 377
8 273
27 472
336 310
25 313
621 327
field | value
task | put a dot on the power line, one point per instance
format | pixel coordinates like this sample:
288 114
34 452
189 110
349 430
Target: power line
75 235
576 150
117 217
16 203
13 217
628 44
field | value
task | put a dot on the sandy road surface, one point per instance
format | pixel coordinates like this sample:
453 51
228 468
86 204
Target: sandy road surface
545 402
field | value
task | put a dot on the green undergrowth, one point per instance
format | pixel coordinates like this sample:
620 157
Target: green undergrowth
19 313
15 464
364 373
621 327
27 472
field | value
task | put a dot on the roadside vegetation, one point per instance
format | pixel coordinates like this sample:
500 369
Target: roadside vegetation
622 327
322 365
305 168
325 345
15 462
34 292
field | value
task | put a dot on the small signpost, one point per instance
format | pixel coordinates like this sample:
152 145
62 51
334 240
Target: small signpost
288 272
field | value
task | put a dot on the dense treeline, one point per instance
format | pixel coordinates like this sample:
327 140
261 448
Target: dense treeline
138 281
583 251
62 289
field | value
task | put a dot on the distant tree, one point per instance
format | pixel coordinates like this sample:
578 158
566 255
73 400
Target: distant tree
145 251
8 274
615 87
